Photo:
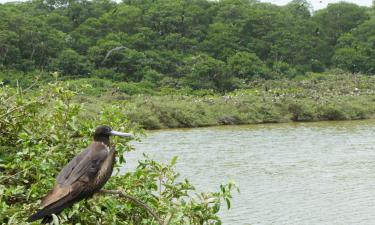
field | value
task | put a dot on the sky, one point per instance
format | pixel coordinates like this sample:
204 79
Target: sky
317 4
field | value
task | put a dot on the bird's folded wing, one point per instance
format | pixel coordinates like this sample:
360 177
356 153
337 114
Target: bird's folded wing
73 178
68 168
87 168
56 194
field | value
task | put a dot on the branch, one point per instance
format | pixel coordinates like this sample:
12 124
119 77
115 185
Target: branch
16 108
111 51
134 200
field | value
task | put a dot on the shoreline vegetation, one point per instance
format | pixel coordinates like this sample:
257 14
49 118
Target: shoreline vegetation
319 97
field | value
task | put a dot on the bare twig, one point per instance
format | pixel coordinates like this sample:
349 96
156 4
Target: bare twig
111 51
134 200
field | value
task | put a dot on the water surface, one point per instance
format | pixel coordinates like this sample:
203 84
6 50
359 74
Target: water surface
296 173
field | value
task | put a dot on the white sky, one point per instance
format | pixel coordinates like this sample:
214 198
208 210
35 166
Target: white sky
317 4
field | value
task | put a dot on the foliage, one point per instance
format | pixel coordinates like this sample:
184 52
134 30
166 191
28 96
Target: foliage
318 97
205 72
228 41
40 131
336 20
355 51
70 62
247 66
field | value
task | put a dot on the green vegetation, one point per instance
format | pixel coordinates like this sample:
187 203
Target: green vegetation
194 63
197 44
336 95
40 131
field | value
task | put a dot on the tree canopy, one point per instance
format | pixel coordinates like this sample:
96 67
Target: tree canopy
189 42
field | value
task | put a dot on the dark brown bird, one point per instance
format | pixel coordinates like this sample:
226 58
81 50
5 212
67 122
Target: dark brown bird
84 175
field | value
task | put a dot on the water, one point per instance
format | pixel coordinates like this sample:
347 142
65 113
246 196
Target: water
298 173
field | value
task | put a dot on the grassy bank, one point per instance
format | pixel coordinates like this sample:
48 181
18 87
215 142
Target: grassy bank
335 96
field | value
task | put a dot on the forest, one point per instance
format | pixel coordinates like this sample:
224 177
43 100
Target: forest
196 44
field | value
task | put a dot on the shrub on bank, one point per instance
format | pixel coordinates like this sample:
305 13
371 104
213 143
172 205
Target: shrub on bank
332 97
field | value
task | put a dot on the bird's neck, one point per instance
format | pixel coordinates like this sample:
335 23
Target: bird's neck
104 140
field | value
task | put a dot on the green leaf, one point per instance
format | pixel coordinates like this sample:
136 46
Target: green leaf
174 160
55 219
228 202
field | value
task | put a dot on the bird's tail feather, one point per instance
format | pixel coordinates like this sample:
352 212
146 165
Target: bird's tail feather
45 213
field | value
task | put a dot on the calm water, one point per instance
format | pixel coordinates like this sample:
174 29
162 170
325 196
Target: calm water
300 173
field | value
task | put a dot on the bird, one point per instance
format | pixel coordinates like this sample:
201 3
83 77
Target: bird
83 176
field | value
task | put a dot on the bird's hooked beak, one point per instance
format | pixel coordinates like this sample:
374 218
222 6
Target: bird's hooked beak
121 134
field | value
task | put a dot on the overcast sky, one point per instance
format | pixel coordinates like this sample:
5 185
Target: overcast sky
317 4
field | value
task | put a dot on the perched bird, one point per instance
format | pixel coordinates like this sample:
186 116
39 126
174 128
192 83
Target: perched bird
84 175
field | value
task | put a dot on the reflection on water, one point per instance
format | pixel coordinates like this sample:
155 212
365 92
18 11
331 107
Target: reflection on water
299 173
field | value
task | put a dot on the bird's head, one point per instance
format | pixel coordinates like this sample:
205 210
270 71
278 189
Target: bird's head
102 134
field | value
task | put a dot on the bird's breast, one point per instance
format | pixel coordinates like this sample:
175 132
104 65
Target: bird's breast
106 169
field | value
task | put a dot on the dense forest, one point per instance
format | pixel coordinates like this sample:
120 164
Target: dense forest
198 44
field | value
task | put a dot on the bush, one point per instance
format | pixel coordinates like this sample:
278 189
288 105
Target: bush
301 111
247 66
69 62
332 112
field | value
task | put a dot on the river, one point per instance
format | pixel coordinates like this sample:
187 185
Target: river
293 173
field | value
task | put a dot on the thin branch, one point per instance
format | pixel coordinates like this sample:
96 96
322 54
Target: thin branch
24 90
22 106
134 200
111 51
16 108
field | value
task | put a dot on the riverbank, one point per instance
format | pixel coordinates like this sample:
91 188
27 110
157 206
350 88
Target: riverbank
320 97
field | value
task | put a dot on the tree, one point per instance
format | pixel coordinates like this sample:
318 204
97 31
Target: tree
69 62
9 51
205 72
247 66
355 50
336 20
300 8
350 59
222 41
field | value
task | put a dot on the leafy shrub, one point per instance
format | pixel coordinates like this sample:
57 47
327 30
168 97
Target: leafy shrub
301 111
69 62
332 112
333 96
247 66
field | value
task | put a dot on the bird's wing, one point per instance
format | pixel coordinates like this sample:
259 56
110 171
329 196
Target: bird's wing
68 168
86 168
73 183
56 194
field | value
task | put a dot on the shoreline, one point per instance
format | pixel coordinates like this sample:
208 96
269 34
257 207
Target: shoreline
297 123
